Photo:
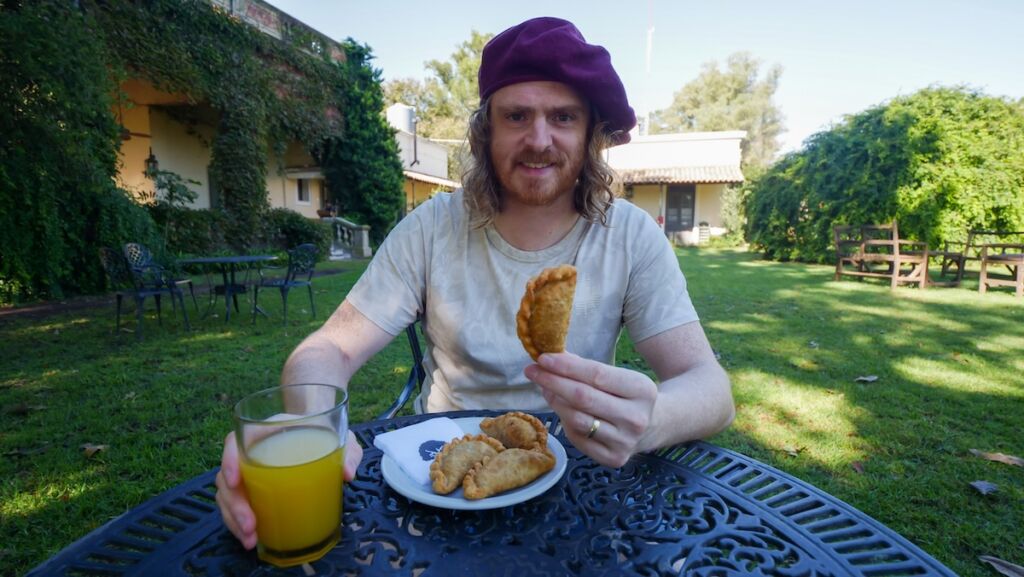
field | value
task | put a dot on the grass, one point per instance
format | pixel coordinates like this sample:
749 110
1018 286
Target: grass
948 361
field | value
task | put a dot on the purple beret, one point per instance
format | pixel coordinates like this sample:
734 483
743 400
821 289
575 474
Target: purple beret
553 49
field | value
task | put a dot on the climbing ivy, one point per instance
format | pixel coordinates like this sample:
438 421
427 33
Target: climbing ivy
60 67
363 170
58 154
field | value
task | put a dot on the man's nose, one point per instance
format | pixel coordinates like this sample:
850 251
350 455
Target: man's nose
538 136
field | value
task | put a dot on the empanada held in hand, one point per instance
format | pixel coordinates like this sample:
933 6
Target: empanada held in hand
456 459
543 319
517 430
507 470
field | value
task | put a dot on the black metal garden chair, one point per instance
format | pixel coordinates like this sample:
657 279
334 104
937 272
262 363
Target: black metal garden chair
414 383
299 272
139 256
138 283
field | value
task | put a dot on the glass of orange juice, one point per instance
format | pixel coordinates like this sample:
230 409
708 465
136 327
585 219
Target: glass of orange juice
292 444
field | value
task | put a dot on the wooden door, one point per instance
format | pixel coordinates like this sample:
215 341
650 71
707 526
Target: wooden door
679 205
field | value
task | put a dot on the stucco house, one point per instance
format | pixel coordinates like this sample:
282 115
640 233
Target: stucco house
176 132
679 179
424 162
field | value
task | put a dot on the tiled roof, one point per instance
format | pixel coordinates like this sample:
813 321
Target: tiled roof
431 179
681 174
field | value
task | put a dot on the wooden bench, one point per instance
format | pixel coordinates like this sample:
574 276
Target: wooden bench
998 250
876 250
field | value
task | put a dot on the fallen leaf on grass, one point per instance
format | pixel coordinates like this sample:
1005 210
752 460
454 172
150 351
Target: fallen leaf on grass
793 451
90 449
858 467
222 397
984 487
813 344
1004 567
999 458
247 350
866 379
957 357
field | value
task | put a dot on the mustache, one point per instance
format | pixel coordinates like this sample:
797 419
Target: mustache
540 159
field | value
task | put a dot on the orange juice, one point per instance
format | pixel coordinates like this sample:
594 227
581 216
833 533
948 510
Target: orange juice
294 480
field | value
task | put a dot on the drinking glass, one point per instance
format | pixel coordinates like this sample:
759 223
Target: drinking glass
291 440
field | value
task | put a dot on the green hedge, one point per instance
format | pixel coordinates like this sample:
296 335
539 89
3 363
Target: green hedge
940 161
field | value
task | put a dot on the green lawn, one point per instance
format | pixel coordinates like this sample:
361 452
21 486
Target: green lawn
949 364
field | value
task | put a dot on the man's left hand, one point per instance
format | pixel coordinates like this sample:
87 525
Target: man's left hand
615 403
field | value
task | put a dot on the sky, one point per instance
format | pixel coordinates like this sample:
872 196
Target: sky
838 57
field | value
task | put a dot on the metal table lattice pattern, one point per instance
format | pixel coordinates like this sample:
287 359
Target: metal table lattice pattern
695 509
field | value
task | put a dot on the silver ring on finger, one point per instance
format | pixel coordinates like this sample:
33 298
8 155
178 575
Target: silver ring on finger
593 428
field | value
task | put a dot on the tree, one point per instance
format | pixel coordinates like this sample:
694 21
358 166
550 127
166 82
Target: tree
362 168
940 161
733 99
444 101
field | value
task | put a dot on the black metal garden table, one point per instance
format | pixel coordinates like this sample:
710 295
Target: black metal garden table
693 509
228 266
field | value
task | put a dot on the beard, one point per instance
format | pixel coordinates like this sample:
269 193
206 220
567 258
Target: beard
539 190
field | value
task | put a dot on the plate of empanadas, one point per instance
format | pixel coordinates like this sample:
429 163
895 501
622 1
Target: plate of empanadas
499 461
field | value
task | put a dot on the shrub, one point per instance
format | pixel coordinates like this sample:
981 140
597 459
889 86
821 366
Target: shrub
285 229
58 153
190 231
940 161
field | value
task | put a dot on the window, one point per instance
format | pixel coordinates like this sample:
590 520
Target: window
303 191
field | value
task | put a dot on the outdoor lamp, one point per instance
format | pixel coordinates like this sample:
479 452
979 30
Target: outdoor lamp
152 166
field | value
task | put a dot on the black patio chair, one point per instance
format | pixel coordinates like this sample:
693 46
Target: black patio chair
138 283
414 383
139 256
299 272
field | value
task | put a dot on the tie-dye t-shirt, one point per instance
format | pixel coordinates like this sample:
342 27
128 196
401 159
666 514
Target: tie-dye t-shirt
466 284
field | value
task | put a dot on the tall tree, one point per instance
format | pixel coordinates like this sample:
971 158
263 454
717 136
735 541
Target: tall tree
362 168
732 99
444 100
941 161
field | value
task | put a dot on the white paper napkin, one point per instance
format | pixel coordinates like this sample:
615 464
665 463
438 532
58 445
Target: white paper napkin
415 446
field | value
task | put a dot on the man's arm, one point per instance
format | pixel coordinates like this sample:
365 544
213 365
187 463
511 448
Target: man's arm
694 398
635 414
335 351
331 355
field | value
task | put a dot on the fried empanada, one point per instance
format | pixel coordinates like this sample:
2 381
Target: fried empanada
543 319
517 430
457 457
506 470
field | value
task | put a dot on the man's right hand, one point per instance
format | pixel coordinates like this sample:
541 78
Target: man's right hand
233 500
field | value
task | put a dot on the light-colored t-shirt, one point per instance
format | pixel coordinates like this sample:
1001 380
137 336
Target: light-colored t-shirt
466 285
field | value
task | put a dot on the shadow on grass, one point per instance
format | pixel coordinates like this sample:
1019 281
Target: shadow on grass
948 363
162 406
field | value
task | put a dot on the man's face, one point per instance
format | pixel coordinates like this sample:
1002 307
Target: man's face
538 140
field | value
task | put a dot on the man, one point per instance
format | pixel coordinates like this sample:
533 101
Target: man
537 196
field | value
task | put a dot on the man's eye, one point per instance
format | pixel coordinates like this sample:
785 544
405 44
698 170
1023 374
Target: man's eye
516 116
565 117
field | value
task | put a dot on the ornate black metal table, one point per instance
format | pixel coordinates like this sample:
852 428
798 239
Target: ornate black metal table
695 509
230 287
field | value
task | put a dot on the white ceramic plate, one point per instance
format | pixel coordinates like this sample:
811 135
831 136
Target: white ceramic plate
404 485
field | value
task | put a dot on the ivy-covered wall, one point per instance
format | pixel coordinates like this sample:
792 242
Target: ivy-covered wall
60 67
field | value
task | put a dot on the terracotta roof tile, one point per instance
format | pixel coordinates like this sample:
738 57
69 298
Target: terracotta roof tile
681 174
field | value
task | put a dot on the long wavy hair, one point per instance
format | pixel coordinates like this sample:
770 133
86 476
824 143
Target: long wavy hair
593 192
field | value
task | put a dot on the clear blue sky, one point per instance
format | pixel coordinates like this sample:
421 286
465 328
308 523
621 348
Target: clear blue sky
837 57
